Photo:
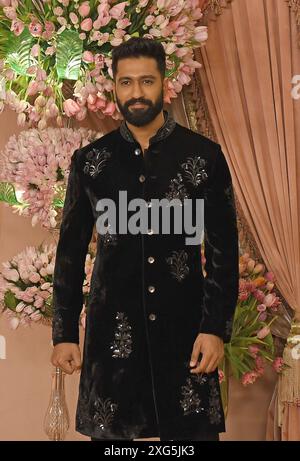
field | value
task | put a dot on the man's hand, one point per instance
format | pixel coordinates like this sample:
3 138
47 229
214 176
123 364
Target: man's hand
67 357
212 349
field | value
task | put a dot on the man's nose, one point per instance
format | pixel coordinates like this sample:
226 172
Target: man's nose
137 92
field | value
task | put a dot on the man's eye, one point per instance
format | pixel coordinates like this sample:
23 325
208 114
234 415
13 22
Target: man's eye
149 81
124 81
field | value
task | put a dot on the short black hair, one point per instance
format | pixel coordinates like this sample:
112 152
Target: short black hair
140 46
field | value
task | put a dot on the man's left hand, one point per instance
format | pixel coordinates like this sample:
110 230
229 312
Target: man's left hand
212 349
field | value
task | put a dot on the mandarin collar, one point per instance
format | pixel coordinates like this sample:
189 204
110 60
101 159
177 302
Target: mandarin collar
163 132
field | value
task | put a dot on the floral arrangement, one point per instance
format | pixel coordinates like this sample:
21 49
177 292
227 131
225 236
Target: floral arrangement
47 46
35 169
251 343
26 285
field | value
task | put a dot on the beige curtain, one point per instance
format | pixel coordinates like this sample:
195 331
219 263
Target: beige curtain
248 63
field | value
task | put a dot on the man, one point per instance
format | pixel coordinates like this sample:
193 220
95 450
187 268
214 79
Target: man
155 326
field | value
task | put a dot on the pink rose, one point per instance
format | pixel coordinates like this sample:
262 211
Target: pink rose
84 9
86 24
71 108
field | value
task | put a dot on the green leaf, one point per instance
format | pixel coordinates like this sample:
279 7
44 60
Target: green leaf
8 194
10 301
16 51
68 55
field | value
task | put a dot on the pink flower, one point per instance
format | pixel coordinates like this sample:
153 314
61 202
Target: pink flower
149 20
118 11
5 2
221 376
263 332
10 12
263 316
261 307
110 109
32 88
74 18
84 9
86 24
88 56
71 108
249 377
270 276
253 349
35 50
278 364
35 28
17 27
123 23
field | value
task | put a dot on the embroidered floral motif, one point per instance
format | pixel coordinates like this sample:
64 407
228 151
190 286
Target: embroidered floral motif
122 345
177 189
194 170
179 268
214 410
104 413
109 239
191 403
200 378
57 325
97 161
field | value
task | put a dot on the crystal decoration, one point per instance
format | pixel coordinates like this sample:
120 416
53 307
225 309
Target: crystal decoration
56 423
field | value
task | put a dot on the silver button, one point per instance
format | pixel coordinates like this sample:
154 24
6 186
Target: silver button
151 289
152 317
142 178
137 151
151 259
150 231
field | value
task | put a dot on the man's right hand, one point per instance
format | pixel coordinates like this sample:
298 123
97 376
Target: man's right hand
67 357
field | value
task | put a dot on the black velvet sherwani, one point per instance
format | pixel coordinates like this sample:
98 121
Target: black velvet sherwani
149 298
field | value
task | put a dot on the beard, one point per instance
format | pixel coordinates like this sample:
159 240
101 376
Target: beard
141 116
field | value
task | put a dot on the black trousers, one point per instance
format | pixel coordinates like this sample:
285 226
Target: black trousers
200 436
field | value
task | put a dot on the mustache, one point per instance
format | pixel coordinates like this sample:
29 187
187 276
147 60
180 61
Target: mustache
137 101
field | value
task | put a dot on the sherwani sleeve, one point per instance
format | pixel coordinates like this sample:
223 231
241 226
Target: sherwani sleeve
75 235
221 249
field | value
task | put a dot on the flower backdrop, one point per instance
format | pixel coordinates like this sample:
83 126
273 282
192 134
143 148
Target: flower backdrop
47 45
35 169
26 284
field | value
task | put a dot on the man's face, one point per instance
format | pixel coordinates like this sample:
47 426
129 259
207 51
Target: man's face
138 80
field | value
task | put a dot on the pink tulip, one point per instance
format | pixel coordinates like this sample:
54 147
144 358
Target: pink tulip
35 28
86 24
249 378
123 23
10 12
261 307
84 9
118 11
149 20
35 50
14 323
270 276
81 114
253 349
263 332
263 317
17 27
74 18
5 2
269 299
71 108
110 109
58 11
88 56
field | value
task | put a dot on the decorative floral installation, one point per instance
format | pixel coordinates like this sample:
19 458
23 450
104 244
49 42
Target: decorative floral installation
56 56
26 285
35 168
